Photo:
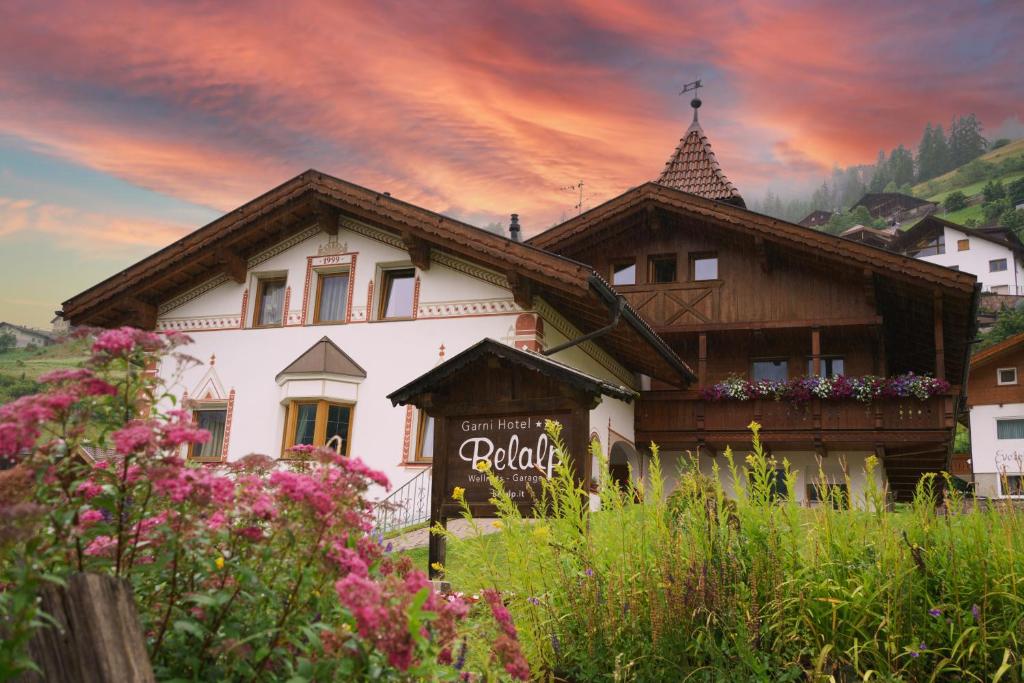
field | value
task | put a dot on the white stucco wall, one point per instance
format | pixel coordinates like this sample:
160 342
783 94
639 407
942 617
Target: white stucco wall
990 455
458 305
805 464
975 261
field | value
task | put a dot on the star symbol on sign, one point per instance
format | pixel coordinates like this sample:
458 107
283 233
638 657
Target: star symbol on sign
539 423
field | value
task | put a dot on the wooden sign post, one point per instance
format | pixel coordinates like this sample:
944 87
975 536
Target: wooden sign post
490 405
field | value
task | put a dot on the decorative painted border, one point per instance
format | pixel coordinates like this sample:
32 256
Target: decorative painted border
283 246
569 331
310 268
194 293
198 323
227 425
452 309
407 437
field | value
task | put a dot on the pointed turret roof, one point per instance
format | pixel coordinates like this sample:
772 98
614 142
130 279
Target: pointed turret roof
693 168
324 358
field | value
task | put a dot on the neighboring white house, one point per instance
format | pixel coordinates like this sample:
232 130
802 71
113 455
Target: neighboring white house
995 395
312 303
26 336
994 255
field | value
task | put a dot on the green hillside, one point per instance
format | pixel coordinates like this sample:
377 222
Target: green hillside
20 368
938 188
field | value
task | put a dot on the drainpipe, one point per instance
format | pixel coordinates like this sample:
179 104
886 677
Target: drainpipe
615 308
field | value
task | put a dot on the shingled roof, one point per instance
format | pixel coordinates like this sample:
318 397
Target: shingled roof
693 168
324 358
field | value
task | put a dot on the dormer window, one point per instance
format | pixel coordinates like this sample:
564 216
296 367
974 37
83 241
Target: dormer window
1006 376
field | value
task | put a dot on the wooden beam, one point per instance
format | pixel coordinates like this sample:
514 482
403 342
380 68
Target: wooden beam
761 247
143 313
702 359
522 290
940 343
327 218
865 321
816 351
419 250
869 289
233 264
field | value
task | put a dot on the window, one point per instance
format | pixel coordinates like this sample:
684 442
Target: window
319 423
703 267
769 369
397 293
777 488
425 439
1010 429
929 246
837 494
1011 485
269 302
831 366
997 265
331 298
662 269
624 273
1006 376
963 245
213 420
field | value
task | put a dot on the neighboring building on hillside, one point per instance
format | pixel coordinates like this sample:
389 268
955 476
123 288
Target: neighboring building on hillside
876 237
995 395
59 326
895 207
996 257
26 336
316 300
816 219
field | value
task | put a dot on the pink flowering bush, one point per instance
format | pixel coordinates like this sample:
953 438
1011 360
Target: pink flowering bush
247 571
802 389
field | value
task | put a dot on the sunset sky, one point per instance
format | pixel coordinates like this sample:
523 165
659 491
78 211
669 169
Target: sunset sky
125 125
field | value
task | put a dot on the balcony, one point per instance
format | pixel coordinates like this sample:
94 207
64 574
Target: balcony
680 303
677 419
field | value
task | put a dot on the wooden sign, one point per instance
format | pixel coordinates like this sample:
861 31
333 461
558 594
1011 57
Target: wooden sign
516 449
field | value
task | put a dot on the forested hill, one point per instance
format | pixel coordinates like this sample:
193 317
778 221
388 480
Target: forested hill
942 164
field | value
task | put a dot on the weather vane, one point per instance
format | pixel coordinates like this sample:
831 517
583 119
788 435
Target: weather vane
695 102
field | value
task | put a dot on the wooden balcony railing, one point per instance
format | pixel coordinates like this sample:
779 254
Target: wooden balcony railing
679 303
674 417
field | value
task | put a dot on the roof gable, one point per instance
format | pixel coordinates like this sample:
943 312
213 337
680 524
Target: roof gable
933 225
996 350
489 348
324 358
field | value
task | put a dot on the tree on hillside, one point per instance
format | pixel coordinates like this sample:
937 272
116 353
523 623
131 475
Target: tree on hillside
880 177
1015 191
974 171
955 201
901 165
7 341
993 190
993 210
932 154
844 220
965 140
1012 219
1009 321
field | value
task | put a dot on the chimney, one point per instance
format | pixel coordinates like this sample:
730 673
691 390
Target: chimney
513 229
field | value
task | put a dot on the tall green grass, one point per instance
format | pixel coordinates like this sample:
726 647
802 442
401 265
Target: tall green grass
700 587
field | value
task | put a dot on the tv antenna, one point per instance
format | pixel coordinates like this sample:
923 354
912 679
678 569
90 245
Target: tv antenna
577 189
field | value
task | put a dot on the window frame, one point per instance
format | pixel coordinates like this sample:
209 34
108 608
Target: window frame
626 263
674 258
322 273
319 425
385 275
703 256
999 377
813 493
1006 475
963 245
1007 419
261 283
994 261
825 359
421 429
208 406
768 359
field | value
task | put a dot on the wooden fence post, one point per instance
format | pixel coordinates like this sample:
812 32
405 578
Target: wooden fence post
99 639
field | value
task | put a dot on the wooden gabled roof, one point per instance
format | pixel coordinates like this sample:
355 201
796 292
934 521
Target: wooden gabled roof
996 350
223 246
693 168
324 358
485 348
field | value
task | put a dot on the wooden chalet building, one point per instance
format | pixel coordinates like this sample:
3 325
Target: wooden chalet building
895 207
317 299
736 293
816 219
